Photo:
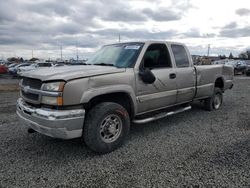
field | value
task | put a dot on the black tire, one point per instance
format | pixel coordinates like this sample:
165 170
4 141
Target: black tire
212 103
94 132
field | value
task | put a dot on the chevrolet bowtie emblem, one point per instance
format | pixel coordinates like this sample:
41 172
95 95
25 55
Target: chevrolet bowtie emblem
25 89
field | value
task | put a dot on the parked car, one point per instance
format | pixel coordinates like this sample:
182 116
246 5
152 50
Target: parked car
247 71
58 64
13 70
11 65
122 83
3 69
34 66
239 66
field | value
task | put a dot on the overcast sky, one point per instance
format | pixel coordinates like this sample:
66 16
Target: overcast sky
44 25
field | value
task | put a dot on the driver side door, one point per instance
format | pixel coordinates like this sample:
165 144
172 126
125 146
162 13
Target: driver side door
163 92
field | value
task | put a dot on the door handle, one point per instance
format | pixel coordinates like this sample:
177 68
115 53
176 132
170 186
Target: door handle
172 76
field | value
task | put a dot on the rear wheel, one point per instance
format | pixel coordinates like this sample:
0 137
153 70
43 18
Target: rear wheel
214 102
106 127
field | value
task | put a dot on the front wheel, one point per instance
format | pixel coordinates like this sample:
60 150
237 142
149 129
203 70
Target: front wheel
214 102
106 127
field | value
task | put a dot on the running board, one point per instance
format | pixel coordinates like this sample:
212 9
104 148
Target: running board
161 115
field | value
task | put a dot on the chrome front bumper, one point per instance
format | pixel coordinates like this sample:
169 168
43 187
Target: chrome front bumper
64 124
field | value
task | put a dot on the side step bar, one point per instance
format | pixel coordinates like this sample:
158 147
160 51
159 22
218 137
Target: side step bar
161 115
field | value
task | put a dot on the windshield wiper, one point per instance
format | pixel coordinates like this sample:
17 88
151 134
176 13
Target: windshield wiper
104 64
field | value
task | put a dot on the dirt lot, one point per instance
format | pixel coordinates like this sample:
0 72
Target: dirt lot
193 149
8 83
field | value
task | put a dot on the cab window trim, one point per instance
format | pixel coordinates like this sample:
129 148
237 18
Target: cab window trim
156 68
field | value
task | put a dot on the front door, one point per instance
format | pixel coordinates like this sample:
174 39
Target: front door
163 91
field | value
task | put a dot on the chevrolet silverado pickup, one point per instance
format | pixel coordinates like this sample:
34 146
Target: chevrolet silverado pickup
124 83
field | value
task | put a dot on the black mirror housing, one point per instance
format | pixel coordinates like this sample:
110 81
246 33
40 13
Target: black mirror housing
147 76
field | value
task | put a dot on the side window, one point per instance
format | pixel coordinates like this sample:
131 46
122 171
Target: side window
157 56
180 55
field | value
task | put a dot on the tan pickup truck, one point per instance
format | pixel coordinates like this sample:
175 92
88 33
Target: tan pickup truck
122 83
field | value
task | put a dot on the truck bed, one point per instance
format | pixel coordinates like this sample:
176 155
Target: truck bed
206 76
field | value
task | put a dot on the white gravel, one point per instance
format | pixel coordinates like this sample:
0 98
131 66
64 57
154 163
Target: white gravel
193 149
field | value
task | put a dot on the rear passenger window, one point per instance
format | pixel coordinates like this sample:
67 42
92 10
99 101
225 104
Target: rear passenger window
180 55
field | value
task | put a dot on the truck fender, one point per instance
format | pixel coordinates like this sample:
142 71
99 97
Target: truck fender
94 92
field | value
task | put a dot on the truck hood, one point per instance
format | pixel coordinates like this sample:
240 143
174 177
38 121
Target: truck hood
71 72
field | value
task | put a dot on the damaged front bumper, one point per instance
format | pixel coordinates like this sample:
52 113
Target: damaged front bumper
64 124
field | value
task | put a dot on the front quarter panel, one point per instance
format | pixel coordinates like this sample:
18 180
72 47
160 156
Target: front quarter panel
73 91
81 91
111 83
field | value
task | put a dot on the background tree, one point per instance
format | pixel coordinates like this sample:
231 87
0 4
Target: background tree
245 55
222 56
231 56
248 54
33 59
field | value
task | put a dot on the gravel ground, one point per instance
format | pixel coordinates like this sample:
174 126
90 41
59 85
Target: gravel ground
6 79
192 149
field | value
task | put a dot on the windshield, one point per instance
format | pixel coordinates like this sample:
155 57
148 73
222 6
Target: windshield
118 55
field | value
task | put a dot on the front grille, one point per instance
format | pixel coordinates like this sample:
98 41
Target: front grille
30 96
32 83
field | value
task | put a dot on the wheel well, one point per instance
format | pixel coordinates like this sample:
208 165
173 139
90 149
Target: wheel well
120 97
219 83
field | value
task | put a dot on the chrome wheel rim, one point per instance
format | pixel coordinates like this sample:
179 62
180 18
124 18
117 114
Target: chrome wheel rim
217 101
110 128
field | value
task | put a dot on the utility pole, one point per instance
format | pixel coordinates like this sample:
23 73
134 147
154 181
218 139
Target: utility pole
119 38
77 57
208 50
32 54
61 51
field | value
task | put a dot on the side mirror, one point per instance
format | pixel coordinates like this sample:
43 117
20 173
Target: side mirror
147 76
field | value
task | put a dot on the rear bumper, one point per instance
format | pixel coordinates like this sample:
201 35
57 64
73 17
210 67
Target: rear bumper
64 124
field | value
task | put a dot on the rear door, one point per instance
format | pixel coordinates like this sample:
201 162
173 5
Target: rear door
185 74
162 92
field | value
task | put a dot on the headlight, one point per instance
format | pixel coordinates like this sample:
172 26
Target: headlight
58 101
53 86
